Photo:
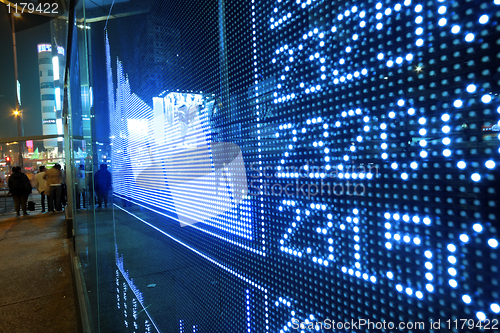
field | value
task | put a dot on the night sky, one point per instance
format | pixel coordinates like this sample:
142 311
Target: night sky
27 58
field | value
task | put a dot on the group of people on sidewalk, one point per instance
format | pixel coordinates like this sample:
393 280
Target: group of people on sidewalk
49 183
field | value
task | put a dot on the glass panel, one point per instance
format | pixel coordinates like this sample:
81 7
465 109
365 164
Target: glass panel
277 163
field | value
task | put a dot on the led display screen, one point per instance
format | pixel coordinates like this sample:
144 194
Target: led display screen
305 166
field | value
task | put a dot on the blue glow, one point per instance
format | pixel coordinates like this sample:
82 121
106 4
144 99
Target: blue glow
464 238
455 29
495 308
475 177
453 283
469 37
466 299
490 164
477 227
461 165
471 88
429 287
457 103
484 19
486 99
480 315
446 141
493 243
442 22
414 165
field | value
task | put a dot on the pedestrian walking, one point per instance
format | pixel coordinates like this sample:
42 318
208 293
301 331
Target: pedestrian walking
20 187
102 185
54 183
41 185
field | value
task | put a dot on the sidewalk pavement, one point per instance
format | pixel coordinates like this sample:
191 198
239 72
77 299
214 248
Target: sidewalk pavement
36 288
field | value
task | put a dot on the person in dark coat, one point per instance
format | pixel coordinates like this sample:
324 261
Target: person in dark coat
102 185
20 187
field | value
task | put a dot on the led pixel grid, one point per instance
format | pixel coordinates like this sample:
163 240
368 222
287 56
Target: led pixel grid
369 133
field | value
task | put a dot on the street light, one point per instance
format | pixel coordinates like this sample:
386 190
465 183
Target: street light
17 113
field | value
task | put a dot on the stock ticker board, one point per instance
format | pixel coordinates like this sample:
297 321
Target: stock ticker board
356 177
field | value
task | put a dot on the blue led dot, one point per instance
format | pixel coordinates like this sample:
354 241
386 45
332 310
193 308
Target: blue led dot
446 141
423 154
466 299
490 164
411 111
419 31
471 88
453 283
484 19
486 98
477 227
429 276
447 152
418 8
399 287
445 129
429 287
480 315
409 57
475 177
414 165
409 291
427 220
419 19
452 259
404 176
464 238
428 254
495 308
458 103
419 42
461 165
442 22
422 120
428 265
390 275
493 243
455 29
422 143
469 37
442 10
419 294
